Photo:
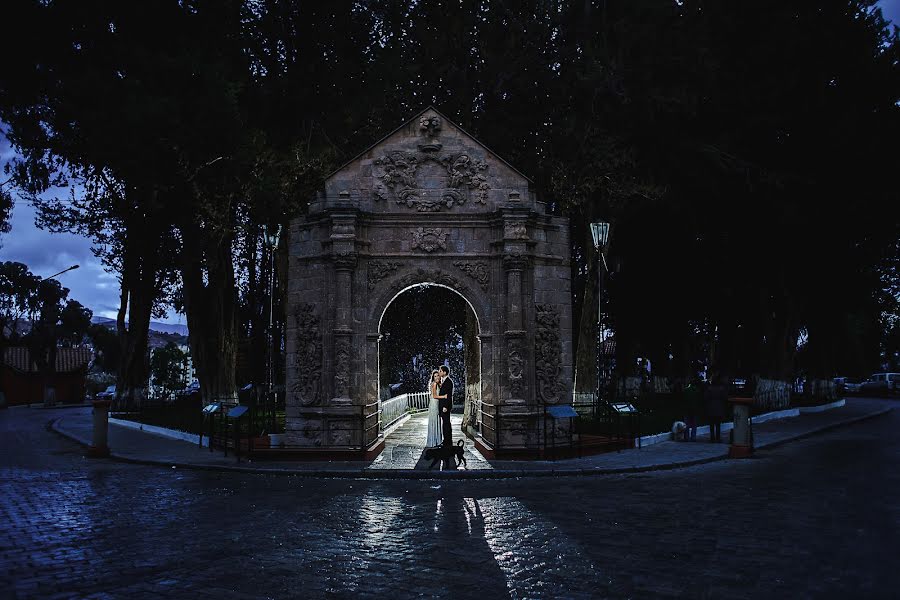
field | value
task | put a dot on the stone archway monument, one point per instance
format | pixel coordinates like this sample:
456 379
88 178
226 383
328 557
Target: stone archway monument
428 204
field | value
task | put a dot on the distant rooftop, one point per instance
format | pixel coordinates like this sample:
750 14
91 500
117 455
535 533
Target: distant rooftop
67 359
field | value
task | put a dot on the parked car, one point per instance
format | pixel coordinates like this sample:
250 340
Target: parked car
846 385
193 388
108 394
881 384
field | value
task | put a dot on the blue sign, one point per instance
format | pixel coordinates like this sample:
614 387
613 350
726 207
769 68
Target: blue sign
237 411
562 412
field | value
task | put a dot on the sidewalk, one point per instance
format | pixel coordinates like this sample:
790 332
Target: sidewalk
400 460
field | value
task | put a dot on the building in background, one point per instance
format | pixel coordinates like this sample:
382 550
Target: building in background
23 383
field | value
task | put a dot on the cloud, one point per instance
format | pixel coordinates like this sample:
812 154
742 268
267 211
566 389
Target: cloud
891 10
47 253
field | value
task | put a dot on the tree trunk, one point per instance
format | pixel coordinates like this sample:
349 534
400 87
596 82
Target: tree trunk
211 309
139 291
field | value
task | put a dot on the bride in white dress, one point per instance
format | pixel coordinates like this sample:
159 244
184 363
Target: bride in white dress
434 422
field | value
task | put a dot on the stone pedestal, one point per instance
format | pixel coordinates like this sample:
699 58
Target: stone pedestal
99 447
742 442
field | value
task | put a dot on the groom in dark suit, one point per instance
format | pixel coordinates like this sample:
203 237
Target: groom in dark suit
445 404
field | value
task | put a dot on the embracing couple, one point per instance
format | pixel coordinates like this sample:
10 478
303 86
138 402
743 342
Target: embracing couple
441 389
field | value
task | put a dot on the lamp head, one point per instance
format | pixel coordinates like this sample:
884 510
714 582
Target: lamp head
271 235
600 233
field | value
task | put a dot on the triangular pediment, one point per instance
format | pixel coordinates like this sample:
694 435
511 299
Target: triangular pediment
428 164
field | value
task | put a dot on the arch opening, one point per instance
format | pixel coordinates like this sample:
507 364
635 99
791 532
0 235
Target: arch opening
422 327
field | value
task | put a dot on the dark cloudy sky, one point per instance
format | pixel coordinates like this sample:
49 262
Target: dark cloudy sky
47 253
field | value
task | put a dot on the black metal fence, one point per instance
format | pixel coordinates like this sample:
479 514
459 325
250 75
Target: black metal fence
182 415
592 428
259 430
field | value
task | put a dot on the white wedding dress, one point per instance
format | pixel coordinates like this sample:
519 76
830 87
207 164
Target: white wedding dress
434 424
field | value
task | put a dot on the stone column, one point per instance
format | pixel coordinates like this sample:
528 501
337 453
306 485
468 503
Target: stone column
343 235
514 263
489 383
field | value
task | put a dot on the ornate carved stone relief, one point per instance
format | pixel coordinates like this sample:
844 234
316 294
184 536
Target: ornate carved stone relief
430 239
340 433
430 126
429 276
308 356
515 261
344 259
341 229
547 354
312 430
477 270
516 367
342 353
379 270
515 231
397 178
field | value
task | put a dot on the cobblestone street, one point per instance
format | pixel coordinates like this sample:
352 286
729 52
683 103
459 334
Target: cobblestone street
813 518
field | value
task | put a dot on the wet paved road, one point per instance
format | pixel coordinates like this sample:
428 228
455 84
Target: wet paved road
815 518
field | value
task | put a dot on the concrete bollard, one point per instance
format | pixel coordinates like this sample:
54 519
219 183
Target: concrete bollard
99 447
742 441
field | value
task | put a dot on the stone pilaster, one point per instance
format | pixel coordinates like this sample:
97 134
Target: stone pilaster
515 262
344 258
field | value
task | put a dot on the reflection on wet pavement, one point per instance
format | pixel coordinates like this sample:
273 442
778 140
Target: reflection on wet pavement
405 446
787 524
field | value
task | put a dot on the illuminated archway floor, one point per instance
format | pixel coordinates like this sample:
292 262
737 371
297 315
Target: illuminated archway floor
404 447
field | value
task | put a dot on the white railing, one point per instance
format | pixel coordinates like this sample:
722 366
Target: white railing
394 408
418 400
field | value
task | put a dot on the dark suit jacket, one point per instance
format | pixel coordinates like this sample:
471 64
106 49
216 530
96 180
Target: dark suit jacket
446 429
446 390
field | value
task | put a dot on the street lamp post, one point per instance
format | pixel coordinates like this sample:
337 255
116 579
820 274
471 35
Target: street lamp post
50 390
600 234
73 267
271 239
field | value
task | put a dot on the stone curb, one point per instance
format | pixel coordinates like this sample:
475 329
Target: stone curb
164 432
450 475
666 436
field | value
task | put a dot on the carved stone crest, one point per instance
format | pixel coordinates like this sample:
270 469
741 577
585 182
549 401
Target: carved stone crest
342 353
430 126
308 355
477 270
547 354
379 270
397 178
430 239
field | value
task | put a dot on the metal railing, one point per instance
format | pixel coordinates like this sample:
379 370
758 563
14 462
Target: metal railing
598 426
418 401
394 408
